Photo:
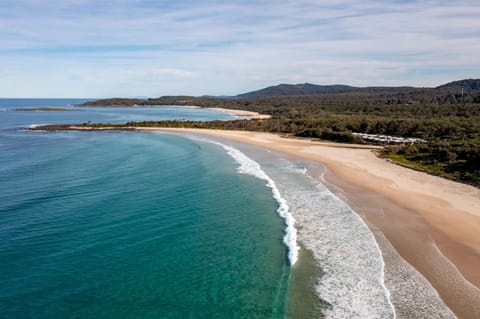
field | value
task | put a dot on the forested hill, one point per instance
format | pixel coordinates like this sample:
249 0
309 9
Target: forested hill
297 89
313 89
468 85
454 92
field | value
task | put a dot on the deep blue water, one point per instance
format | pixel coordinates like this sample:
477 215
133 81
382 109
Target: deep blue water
131 225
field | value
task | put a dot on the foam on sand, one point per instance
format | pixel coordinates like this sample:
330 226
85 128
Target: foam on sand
343 247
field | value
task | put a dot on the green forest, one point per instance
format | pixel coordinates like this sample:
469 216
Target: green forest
446 117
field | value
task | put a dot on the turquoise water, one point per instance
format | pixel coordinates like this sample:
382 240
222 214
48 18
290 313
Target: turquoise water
142 225
153 225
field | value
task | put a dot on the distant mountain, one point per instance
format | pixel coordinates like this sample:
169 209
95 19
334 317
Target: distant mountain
139 97
296 89
469 85
217 96
449 92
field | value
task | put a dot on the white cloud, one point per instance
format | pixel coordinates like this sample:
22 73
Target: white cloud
161 73
213 47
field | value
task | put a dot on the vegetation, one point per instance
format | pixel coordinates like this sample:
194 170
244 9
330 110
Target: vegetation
447 117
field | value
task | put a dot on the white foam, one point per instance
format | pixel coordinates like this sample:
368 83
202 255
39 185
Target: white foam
250 167
342 245
413 296
354 281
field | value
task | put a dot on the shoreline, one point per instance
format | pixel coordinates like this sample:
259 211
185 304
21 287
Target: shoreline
431 222
251 114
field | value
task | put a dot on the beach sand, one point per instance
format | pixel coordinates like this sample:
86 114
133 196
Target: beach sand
253 115
433 223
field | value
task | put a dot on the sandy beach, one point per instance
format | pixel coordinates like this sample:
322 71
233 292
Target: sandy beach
433 223
253 115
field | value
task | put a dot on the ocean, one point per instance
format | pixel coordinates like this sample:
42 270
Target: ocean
121 225
159 225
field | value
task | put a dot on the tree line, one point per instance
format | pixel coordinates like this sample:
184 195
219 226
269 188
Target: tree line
447 119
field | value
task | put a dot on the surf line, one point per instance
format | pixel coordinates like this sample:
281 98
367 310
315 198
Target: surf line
250 167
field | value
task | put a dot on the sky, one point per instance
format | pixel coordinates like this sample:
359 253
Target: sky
125 48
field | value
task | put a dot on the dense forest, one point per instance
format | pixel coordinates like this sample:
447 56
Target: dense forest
447 117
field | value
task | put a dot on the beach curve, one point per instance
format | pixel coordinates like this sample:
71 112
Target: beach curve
437 243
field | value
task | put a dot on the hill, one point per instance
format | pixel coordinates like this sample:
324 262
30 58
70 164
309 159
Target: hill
296 89
469 85
450 93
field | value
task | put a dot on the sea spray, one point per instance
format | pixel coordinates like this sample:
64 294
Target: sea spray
250 167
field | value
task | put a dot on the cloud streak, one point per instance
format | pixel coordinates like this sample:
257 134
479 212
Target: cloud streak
141 47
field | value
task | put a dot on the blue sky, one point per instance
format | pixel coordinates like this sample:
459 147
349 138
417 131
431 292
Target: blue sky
87 48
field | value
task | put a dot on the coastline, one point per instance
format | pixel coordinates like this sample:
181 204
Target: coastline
431 222
251 114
